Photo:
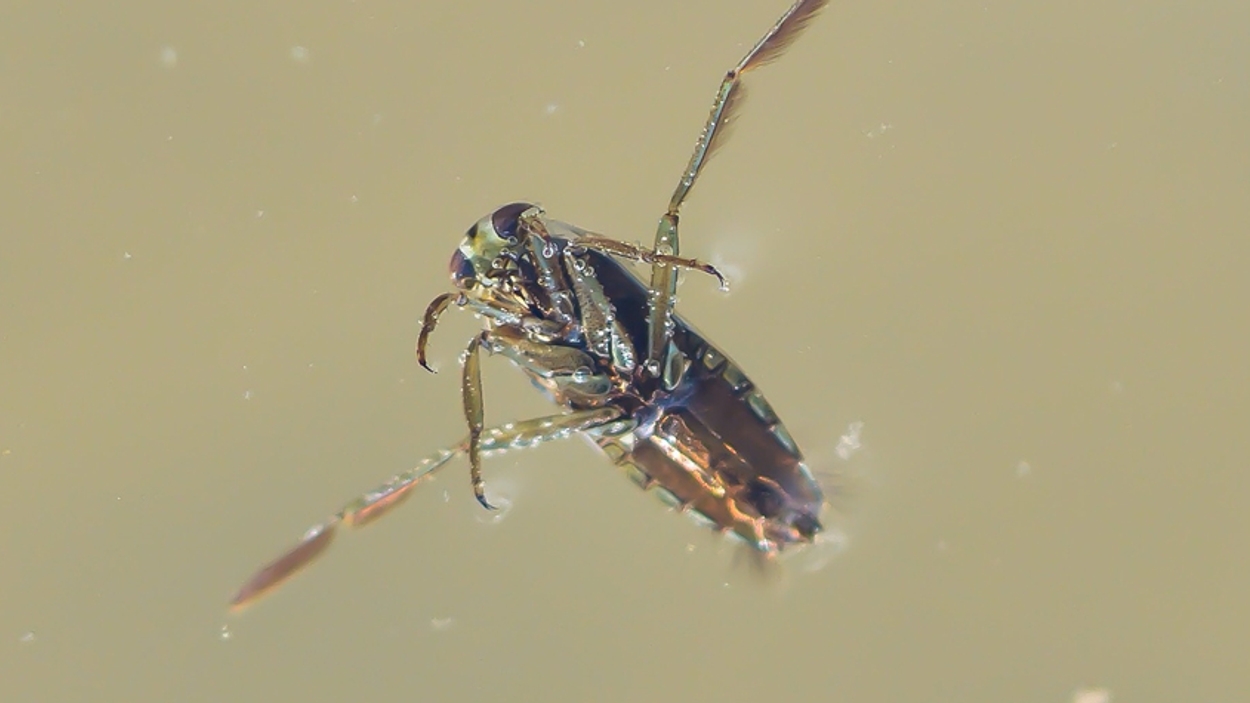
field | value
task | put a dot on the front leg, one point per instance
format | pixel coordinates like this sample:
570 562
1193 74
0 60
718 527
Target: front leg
471 397
565 372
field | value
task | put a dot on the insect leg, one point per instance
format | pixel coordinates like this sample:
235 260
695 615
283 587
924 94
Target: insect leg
537 430
564 371
633 252
372 505
471 396
428 321
663 297
359 511
605 335
550 275
728 98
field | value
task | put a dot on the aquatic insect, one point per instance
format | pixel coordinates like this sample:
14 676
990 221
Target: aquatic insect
661 401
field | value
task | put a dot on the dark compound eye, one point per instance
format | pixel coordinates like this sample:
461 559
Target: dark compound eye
461 269
505 220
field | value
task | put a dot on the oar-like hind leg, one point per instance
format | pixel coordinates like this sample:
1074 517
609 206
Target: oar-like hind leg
374 504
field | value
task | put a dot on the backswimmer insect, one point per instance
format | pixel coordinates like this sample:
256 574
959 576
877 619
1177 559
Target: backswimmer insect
664 404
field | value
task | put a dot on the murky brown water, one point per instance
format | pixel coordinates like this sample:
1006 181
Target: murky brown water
1012 241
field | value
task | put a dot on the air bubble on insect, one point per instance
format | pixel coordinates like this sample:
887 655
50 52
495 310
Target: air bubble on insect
653 367
549 250
581 375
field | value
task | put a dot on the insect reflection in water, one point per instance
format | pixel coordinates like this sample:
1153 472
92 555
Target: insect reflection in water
663 403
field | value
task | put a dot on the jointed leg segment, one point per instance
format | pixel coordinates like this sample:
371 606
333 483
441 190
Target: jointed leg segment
373 504
728 98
